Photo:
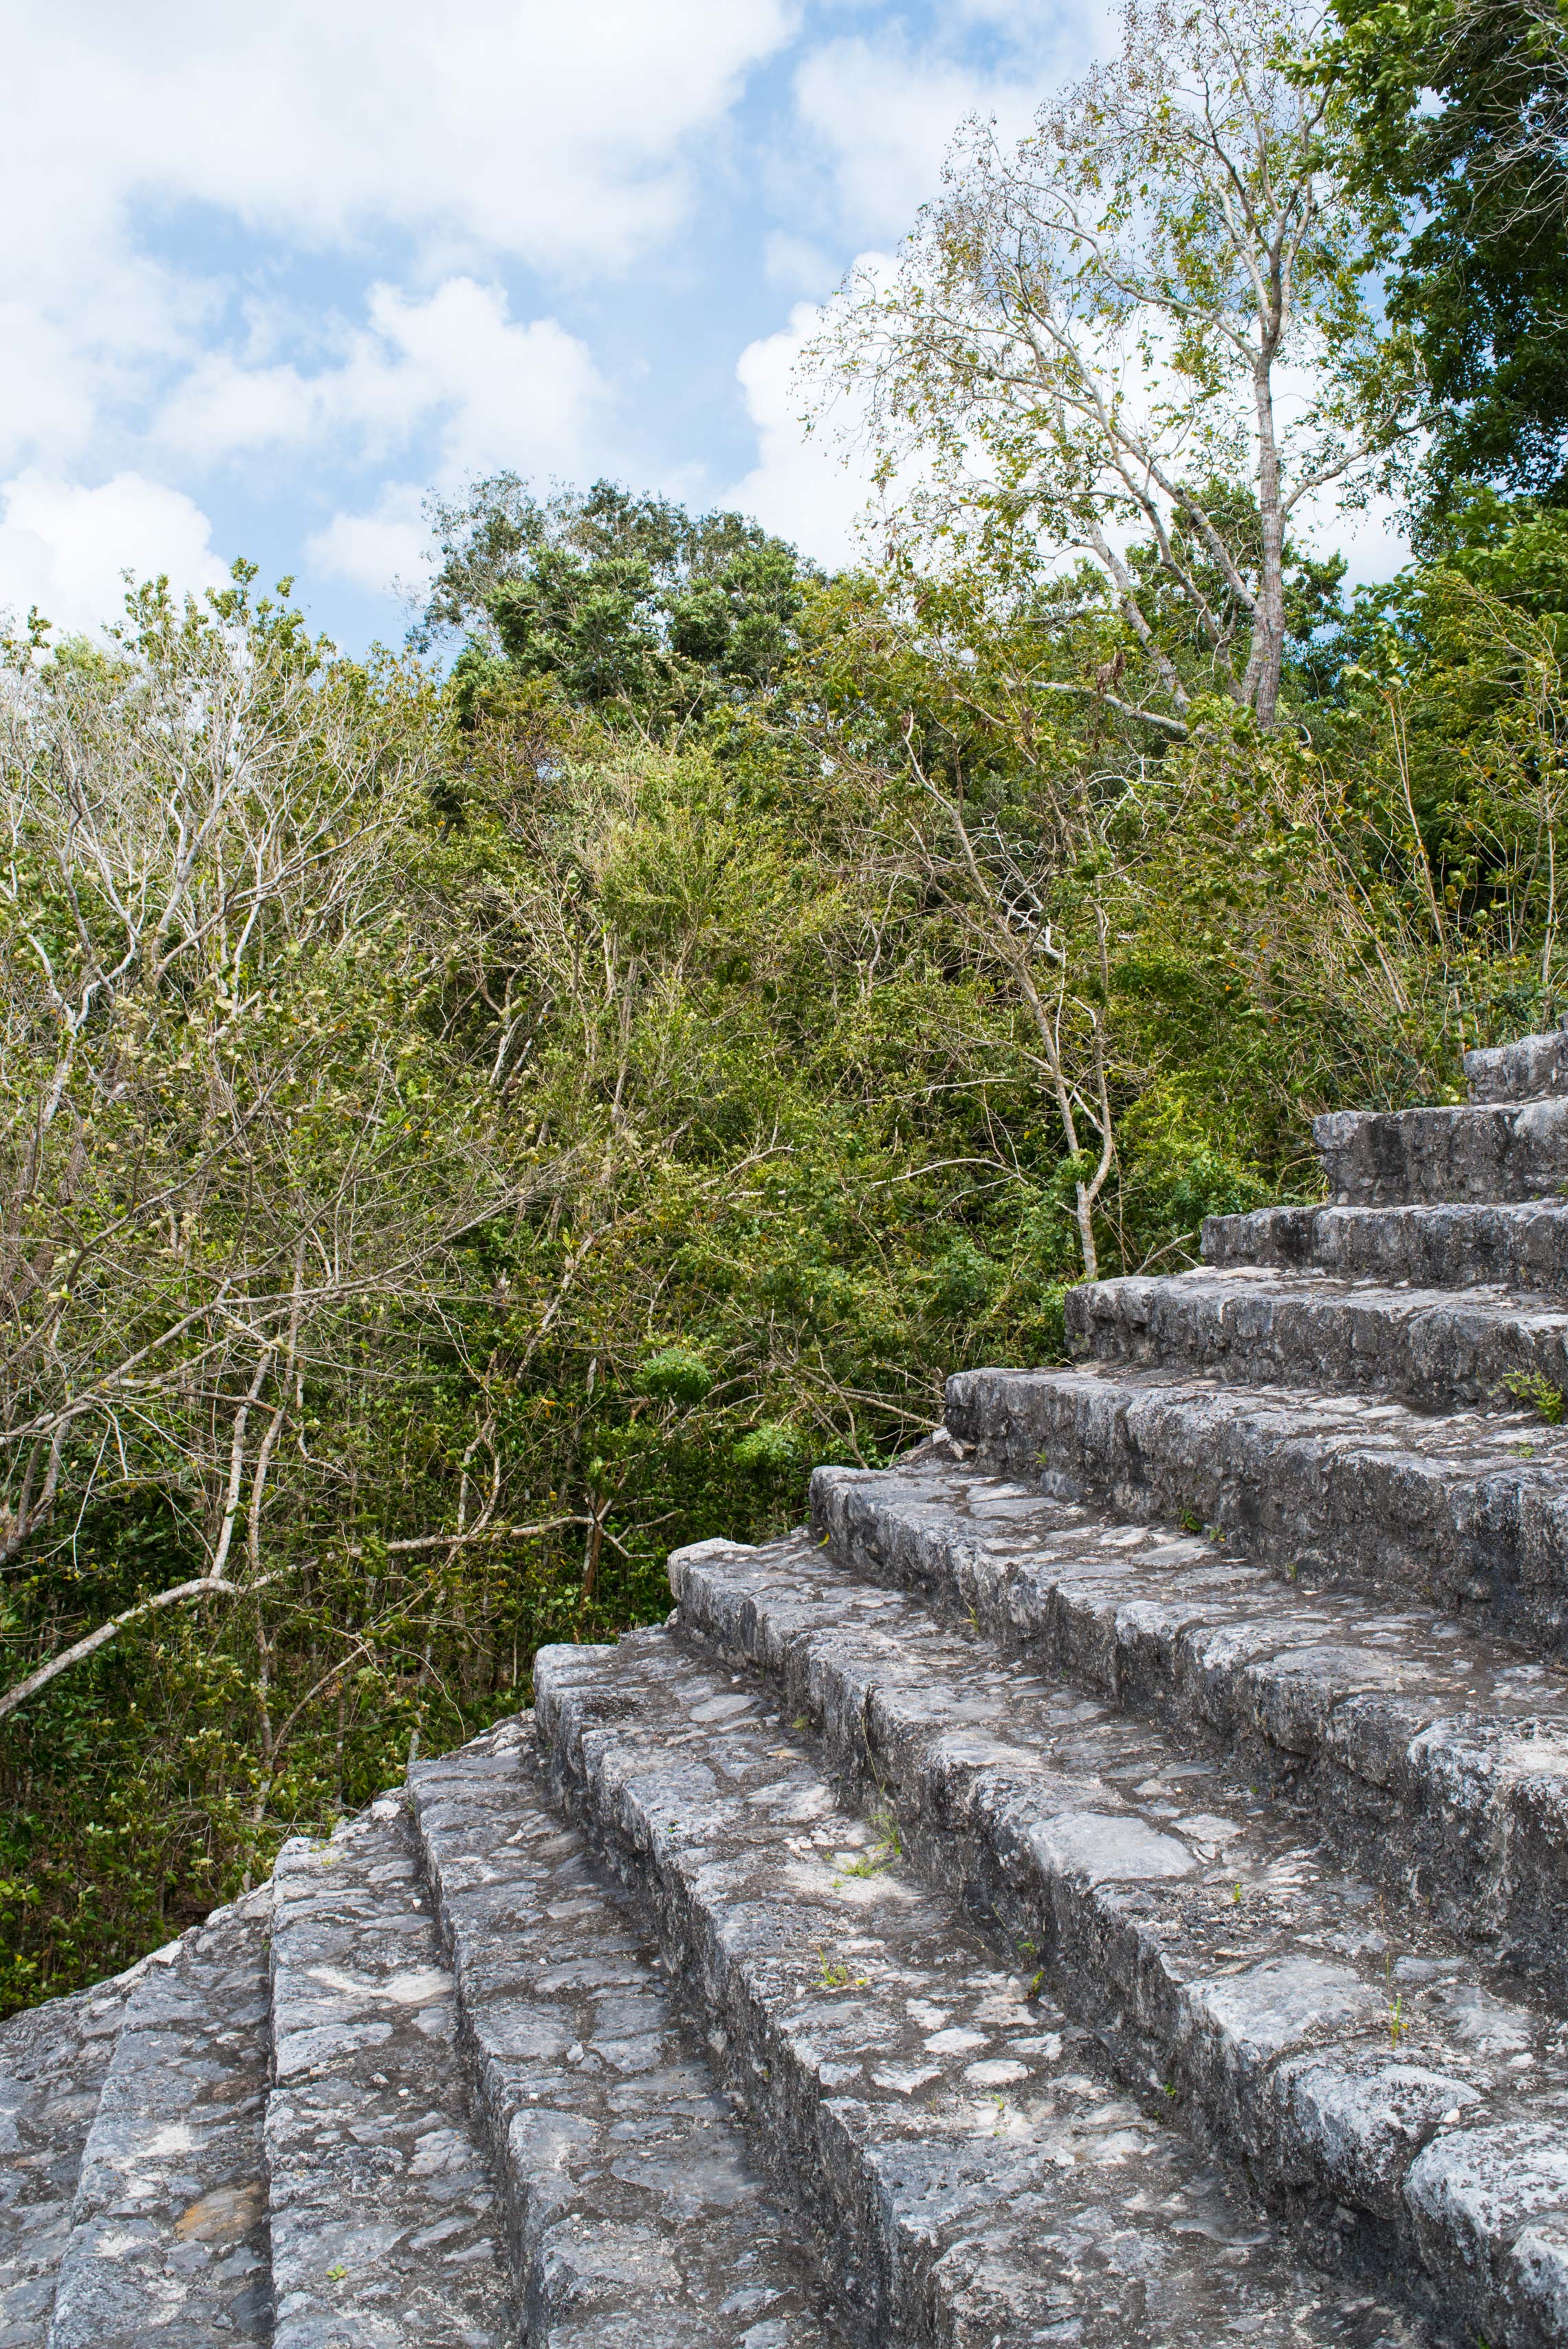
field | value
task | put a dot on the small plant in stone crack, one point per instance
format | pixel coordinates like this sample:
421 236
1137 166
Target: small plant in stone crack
831 1975
888 1847
1535 1390
885 1821
1397 2026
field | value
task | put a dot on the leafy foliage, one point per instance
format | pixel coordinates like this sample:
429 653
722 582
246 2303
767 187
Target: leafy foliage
1091 337
611 598
461 1138
1462 112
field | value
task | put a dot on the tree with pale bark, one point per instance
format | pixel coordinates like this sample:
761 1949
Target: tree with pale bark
219 1163
1160 297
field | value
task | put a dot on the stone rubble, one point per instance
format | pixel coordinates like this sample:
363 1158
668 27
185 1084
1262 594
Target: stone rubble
1104 1882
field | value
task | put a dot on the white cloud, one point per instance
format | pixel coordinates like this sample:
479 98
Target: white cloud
563 139
47 397
379 551
800 486
797 266
1039 32
64 547
517 126
883 116
101 332
492 390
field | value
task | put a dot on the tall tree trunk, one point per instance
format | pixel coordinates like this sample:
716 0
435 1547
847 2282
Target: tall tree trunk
1266 659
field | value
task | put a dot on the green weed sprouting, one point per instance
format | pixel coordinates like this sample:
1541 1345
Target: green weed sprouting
1534 1389
831 1975
888 1847
885 1821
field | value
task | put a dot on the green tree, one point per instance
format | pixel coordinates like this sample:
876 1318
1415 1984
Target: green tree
1461 113
617 600
1157 295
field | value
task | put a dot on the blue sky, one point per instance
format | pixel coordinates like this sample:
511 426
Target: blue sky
287 268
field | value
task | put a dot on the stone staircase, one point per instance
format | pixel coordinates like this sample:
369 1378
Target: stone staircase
1104 1883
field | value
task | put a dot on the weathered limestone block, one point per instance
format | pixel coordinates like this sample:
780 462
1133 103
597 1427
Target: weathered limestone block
1437 1761
636 2212
1427 1345
1378 1158
168 2229
1521 1247
1527 1070
981 2175
52 2064
385 2225
1468 1510
1175 1911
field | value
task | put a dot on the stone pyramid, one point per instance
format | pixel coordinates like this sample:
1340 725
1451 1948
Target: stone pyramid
1105 1882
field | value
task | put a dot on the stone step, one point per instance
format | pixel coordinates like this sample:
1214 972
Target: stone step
386 2230
168 2229
635 2211
1430 1345
980 2172
1527 1070
1469 1511
1437 1760
1521 1247
1390 2094
52 2064
1483 1153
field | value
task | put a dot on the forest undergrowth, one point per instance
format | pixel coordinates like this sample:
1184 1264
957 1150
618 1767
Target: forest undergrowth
476 1117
